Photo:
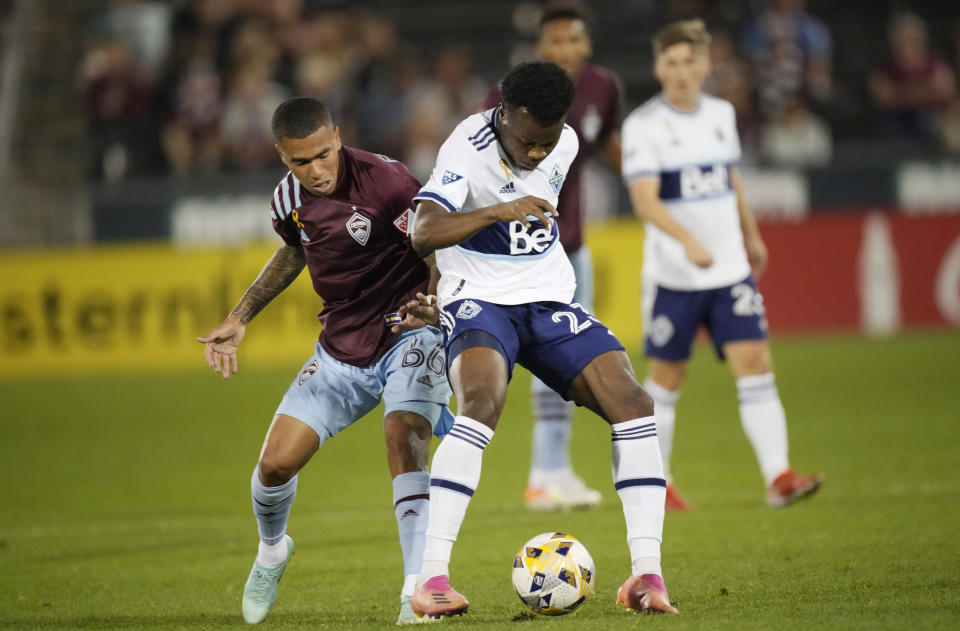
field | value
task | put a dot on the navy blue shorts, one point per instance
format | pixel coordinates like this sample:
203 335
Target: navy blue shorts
553 340
730 314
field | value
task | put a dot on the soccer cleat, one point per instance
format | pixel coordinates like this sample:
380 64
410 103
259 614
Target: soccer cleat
260 592
561 491
436 598
407 616
789 487
675 501
644 594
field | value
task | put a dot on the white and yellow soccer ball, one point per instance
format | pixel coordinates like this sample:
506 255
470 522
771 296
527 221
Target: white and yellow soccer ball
553 573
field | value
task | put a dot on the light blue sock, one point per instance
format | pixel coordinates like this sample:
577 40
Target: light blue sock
271 506
411 505
551 430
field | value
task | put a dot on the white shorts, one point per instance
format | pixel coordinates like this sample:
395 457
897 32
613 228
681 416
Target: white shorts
329 395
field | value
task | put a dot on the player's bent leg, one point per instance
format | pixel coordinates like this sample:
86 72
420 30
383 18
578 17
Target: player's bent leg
479 379
608 384
288 447
764 422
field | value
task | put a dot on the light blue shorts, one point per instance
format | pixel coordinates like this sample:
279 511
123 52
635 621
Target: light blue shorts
329 395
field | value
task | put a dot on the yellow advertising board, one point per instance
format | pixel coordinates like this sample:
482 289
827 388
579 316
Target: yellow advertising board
137 308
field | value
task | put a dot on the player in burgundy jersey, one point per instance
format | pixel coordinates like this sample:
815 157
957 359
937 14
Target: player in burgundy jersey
595 116
345 215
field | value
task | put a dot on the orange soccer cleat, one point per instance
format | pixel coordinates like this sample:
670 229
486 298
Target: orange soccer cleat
675 501
436 598
644 594
789 487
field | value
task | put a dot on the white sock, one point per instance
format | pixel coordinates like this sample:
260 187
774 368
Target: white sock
272 554
411 507
638 478
665 411
550 449
454 476
764 422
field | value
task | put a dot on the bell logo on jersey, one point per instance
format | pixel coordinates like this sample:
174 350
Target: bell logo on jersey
359 227
523 242
698 181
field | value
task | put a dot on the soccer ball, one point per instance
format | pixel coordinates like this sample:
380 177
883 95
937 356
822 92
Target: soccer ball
553 574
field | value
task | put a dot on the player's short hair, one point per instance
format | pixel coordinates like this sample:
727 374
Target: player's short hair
543 88
693 32
565 11
299 117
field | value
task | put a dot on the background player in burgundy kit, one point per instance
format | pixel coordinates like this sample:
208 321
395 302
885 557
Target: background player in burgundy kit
595 116
345 215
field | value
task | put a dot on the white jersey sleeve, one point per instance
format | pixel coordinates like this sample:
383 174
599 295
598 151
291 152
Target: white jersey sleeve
691 154
504 263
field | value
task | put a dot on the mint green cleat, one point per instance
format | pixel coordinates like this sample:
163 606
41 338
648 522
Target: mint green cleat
260 592
408 617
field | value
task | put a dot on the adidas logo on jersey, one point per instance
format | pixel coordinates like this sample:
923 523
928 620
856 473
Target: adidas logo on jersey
425 380
508 188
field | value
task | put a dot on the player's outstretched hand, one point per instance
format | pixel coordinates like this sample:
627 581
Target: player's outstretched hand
220 351
697 253
417 313
521 209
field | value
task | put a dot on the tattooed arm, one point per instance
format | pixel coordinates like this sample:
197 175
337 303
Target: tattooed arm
222 342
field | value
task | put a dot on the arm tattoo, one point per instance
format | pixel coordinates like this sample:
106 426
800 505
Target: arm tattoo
282 268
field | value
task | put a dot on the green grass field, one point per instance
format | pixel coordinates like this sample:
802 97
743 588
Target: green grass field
125 504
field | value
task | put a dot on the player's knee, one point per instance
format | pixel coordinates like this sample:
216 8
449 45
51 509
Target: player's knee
405 428
275 470
477 402
644 402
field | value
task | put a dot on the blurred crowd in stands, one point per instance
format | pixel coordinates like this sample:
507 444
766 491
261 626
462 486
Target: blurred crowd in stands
188 87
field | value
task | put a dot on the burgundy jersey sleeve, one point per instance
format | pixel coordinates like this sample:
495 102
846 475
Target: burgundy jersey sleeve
283 205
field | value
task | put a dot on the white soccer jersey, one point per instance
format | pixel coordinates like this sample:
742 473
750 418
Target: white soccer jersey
504 263
691 153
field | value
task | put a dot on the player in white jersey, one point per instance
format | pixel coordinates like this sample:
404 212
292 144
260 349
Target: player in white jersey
679 161
488 211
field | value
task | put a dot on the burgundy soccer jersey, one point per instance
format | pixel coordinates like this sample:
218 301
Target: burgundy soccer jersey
358 250
595 113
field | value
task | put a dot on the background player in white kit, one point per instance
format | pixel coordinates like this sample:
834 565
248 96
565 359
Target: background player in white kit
505 289
679 160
